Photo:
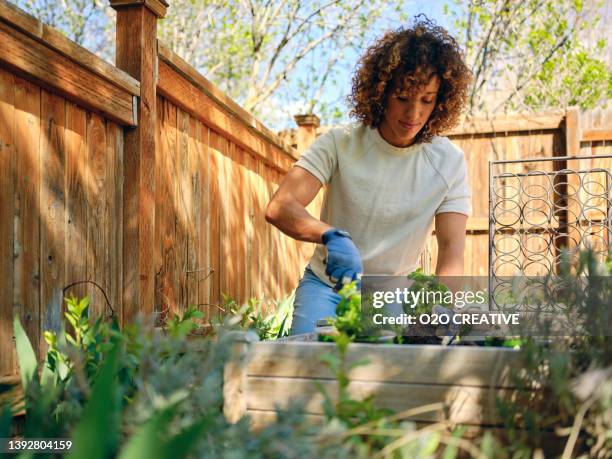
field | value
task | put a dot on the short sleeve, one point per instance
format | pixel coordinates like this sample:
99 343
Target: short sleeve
459 196
321 158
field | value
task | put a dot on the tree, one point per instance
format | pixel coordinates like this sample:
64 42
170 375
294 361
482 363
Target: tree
83 21
528 55
252 48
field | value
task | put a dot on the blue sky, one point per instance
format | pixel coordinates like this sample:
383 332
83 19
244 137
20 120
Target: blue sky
336 92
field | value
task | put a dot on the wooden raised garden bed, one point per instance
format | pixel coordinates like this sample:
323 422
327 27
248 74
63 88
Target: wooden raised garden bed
466 378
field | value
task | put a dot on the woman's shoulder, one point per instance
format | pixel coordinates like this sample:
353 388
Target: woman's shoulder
446 157
346 135
345 130
443 148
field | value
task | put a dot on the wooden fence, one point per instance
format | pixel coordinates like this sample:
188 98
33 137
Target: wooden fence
551 134
147 180
143 178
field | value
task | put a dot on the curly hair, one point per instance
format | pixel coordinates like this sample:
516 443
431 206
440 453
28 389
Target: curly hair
402 59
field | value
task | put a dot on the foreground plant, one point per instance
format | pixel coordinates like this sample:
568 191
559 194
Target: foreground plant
564 387
253 316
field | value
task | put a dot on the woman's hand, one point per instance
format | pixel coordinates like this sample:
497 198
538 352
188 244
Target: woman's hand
343 259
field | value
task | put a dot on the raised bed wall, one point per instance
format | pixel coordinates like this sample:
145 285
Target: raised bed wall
467 379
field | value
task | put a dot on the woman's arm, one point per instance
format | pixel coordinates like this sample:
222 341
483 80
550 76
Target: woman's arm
450 234
287 207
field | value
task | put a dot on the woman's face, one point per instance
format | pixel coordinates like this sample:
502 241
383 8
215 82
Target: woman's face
407 112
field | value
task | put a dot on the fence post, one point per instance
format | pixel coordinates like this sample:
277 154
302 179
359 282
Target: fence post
136 53
307 130
573 132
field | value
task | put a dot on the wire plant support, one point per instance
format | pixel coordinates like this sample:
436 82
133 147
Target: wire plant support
539 207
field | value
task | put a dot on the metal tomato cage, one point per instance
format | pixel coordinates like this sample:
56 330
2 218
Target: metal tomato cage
538 210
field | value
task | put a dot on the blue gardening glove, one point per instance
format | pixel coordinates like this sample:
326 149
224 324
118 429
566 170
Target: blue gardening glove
343 259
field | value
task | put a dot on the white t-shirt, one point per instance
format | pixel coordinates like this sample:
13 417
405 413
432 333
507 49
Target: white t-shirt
385 196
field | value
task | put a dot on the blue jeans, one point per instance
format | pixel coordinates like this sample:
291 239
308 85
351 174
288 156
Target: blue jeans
314 300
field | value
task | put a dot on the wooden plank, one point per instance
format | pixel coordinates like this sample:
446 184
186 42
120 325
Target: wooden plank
160 201
165 215
221 146
203 275
275 244
185 95
235 384
14 397
239 216
594 135
194 180
114 197
229 226
253 209
97 214
7 210
183 206
52 212
49 69
26 293
466 404
76 199
158 7
57 41
512 123
572 131
216 209
465 365
136 54
270 244
234 109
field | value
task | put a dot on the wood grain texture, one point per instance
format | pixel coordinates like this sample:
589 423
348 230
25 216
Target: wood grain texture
52 212
194 179
114 198
26 293
158 7
76 198
183 205
215 221
56 40
227 262
184 94
167 276
392 363
572 131
202 84
136 54
467 404
97 214
204 217
7 210
51 70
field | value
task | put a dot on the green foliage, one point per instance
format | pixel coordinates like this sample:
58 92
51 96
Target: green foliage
557 376
137 392
348 321
533 55
180 327
102 383
252 316
427 283
346 409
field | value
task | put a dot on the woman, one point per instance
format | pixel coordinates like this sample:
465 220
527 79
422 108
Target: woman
389 177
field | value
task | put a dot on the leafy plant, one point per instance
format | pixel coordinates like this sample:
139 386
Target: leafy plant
427 283
180 327
554 391
251 316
